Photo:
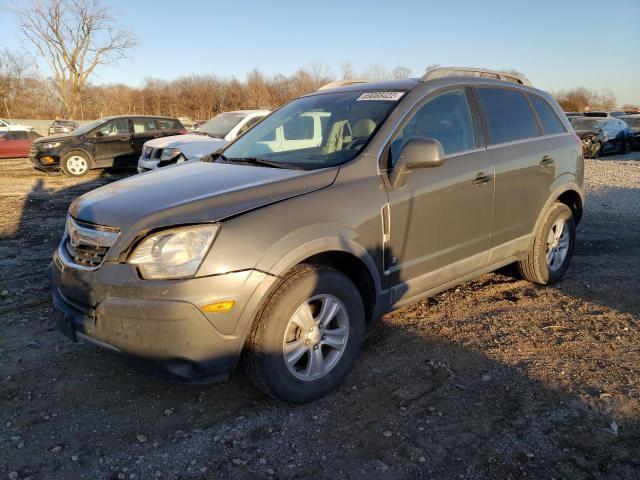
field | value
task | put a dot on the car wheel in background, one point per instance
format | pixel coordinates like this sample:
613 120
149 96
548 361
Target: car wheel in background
627 146
550 253
75 164
308 335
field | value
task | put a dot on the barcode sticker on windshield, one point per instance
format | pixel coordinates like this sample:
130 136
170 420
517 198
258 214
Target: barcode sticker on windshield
389 96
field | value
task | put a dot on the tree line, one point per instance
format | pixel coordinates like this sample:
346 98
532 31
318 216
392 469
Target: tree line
197 96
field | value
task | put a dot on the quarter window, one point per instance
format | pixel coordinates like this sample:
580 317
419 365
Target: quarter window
446 118
508 114
551 124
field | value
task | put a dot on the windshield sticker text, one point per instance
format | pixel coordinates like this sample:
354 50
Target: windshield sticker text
389 96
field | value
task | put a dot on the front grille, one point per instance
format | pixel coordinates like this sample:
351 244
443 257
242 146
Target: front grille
85 245
33 150
88 255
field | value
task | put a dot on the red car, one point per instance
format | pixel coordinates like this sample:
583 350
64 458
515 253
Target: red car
16 143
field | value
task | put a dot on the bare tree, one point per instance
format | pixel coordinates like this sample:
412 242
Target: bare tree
74 37
376 72
401 72
348 71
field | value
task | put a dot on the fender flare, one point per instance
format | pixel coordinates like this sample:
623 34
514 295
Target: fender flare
315 240
555 194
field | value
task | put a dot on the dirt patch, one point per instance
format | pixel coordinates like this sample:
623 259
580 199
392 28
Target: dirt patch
495 379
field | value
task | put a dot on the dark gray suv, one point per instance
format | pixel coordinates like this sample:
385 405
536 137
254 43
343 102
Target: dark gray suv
280 254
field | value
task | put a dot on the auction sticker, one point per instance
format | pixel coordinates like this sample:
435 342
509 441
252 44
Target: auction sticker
389 96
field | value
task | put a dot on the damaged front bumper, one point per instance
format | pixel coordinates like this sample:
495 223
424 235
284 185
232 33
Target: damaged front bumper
157 320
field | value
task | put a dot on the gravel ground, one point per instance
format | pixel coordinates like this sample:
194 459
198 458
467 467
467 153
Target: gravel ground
497 378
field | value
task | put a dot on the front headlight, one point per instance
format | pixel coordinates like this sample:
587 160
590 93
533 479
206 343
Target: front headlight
49 145
174 253
169 153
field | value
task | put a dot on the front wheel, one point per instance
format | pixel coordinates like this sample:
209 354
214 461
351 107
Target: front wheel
75 164
304 342
550 253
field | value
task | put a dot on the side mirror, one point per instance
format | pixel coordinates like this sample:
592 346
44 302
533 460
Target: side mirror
416 153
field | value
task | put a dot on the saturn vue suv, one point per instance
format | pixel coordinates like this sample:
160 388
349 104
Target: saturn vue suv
280 256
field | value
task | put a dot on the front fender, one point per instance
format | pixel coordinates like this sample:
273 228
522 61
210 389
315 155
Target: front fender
313 240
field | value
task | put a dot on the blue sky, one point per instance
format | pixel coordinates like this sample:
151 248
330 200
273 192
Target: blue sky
547 40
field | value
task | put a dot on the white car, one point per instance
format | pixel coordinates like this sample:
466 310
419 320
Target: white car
208 138
6 125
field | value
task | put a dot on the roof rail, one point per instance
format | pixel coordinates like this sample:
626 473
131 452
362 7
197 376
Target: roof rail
342 83
475 72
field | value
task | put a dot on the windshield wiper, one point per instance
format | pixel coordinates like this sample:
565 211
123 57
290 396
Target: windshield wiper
260 161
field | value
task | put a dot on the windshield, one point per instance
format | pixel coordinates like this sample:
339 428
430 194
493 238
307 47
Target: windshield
220 125
585 123
317 131
88 127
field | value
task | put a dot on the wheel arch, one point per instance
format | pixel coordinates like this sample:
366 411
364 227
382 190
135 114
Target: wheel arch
568 193
346 256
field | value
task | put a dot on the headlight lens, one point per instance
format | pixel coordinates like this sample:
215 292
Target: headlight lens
174 253
169 153
48 145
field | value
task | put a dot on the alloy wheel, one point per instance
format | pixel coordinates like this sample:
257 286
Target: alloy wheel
316 337
557 244
77 165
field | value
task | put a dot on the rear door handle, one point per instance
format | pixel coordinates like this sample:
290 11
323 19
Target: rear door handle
481 179
546 160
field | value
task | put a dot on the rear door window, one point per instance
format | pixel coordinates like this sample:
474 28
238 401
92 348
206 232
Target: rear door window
551 124
20 135
165 124
508 114
143 125
250 123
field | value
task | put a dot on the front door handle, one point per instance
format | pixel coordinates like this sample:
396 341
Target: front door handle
481 179
546 160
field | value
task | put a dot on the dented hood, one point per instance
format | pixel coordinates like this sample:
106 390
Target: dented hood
192 193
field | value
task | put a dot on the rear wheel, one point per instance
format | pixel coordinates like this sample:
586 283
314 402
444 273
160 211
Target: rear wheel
75 164
308 335
550 254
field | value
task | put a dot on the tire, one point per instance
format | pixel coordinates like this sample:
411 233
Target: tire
542 265
627 146
75 164
277 332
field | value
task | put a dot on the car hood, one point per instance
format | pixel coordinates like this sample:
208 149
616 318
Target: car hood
192 193
191 145
55 138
